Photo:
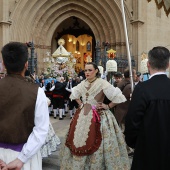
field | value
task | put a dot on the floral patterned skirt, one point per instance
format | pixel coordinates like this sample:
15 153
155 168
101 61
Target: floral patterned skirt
51 143
111 155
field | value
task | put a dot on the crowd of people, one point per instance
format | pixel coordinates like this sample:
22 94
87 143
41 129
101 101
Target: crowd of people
109 120
58 91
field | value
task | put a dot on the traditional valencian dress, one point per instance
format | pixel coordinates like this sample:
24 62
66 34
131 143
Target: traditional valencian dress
52 141
51 144
111 153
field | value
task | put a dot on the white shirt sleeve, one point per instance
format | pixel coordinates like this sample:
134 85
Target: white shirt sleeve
68 89
37 138
52 88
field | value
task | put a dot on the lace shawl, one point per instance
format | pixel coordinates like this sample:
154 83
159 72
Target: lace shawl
113 94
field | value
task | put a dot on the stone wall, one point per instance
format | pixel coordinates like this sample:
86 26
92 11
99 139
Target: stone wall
27 20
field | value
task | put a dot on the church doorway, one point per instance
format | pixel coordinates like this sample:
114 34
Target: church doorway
79 40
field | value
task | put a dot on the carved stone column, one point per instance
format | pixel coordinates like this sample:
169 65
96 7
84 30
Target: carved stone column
98 53
138 32
4 23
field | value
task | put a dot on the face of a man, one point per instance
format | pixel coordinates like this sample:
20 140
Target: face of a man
137 78
118 79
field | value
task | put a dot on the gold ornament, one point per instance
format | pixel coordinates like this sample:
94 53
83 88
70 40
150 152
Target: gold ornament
61 41
144 56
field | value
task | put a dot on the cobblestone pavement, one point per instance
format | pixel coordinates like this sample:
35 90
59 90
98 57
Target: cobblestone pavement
60 127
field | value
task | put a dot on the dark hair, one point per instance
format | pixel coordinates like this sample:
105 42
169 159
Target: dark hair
27 73
15 55
158 58
48 86
138 73
95 67
118 74
127 74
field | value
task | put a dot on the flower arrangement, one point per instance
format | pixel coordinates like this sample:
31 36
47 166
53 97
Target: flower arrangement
65 72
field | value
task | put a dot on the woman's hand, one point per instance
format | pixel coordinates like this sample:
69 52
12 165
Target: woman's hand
81 105
101 106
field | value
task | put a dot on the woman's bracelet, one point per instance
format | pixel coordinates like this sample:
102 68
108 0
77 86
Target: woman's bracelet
81 106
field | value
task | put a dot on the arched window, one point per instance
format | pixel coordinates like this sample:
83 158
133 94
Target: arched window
88 46
77 46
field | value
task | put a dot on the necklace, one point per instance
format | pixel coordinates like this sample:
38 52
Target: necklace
88 85
92 80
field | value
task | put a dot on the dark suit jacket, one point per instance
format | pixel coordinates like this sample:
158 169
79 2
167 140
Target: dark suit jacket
147 127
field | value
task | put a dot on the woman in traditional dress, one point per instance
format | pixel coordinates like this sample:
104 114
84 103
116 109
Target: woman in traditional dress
52 141
94 140
51 144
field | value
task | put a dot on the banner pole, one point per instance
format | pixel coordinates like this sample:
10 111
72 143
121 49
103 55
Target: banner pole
127 45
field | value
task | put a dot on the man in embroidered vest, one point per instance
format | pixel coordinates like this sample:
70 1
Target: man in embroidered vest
24 118
58 99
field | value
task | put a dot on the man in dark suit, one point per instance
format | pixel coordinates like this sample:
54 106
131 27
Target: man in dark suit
147 127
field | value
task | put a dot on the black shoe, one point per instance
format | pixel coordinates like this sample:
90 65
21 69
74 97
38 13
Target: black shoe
64 115
50 114
52 111
55 118
60 118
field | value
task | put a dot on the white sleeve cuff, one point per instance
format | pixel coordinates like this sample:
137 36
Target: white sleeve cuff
22 157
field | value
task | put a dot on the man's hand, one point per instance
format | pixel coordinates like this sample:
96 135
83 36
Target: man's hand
3 165
15 165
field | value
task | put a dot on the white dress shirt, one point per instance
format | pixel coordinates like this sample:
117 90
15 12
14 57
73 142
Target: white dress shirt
37 138
67 87
52 88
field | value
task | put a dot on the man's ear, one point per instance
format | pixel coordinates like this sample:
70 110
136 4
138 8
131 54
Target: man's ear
148 64
26 65
3 65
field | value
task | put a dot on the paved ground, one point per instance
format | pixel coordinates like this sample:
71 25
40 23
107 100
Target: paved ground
60 127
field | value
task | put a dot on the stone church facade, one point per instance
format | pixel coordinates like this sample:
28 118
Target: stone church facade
40 21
